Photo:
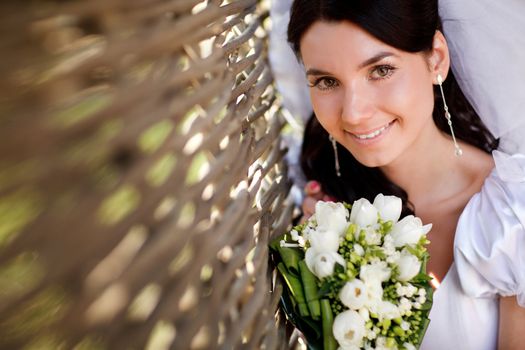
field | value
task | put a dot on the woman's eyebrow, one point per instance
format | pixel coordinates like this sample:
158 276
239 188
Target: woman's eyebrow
376 58
371 60
315 71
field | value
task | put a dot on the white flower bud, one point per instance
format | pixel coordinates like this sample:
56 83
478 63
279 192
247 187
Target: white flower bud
364 314
363 213
386 310
378 271
409 346
409 266
331 216
371 335
408 231
358 249
372 236
324 241
389 207
411 290
322 263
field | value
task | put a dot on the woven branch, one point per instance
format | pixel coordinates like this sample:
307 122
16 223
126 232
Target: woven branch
141 176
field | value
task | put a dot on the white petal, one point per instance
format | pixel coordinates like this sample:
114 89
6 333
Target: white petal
354 294
324 241
349 329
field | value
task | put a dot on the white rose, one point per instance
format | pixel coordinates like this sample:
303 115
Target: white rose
363 213
354 294
349 329
408 231
389 207
322 263
324 241
331 216
376 271
408 266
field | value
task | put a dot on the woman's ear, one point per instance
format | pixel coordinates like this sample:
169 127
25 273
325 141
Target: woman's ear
439 59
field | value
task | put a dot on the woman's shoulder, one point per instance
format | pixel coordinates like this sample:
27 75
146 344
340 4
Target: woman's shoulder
503 187
489 249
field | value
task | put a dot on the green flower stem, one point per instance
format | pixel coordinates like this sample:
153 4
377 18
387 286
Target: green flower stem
296 289
290 259
310 290
329 342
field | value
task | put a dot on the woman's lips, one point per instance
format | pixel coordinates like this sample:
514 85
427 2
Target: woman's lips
372 135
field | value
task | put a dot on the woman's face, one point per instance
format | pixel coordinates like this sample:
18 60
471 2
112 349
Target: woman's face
374 99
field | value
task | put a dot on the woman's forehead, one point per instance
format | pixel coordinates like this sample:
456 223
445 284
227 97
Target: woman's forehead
326 42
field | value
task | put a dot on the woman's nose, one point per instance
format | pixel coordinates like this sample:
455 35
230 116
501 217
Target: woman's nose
357 106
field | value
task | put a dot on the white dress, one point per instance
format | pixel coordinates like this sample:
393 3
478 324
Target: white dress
489 262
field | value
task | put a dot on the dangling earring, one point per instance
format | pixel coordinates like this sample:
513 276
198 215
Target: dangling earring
458 150
334 146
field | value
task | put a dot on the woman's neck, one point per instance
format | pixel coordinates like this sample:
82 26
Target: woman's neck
428 171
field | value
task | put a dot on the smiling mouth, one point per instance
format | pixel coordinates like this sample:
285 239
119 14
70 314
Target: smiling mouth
373 134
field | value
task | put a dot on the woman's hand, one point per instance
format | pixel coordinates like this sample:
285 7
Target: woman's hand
313 193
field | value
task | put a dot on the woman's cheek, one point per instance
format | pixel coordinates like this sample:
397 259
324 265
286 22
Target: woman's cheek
326 108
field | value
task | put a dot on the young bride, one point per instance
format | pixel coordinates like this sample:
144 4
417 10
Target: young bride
390 118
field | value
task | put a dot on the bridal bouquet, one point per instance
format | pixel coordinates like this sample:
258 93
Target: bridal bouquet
355 276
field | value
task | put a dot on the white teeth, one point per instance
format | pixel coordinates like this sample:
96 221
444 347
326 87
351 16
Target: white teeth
372 134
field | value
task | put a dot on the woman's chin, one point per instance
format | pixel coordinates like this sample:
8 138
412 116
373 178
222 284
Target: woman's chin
374 159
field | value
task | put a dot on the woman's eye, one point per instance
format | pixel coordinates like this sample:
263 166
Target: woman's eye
381 72
324 83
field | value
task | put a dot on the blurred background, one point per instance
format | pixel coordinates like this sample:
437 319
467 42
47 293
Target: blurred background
142 175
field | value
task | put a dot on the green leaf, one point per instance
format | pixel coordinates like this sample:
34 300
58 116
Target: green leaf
422 330
427 305
295 288
338 268
276 243
311 329
325 289
310 290
421 278
290 258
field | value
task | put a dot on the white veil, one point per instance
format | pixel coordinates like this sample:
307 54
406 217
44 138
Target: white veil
487 47
486 39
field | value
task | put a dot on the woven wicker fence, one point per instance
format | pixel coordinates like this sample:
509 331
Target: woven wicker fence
141 175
